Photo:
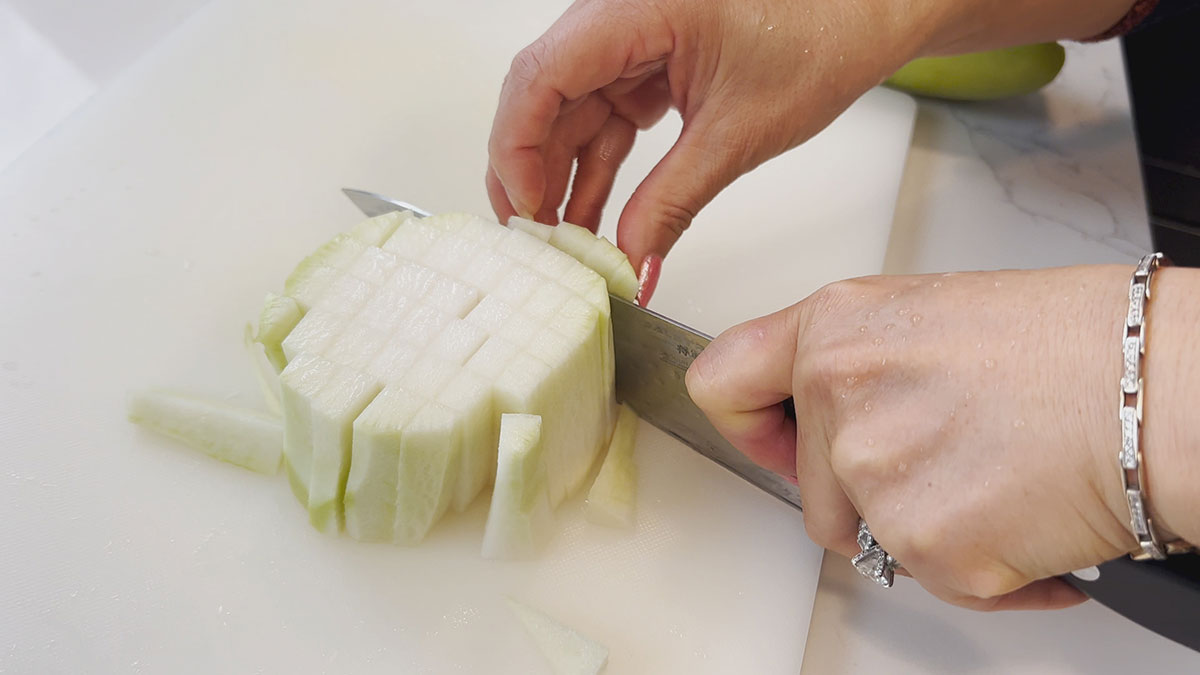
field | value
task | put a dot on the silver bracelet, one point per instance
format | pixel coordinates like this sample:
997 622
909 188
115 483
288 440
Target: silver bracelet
1133 474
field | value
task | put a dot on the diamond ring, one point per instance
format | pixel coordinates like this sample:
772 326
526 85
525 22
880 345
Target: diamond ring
873 563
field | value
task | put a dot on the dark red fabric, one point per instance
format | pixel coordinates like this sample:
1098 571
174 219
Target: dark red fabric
1140 10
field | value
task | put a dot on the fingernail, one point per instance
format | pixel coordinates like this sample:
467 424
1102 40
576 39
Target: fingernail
518 206
648 278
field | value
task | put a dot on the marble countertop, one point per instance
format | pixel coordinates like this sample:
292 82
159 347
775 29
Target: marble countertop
1046 180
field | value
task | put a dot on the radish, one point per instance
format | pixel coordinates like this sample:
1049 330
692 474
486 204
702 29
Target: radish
568 651
612 497
247 438
402 343
417 361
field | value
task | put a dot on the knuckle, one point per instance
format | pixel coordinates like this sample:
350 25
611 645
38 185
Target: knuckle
676 218
529 64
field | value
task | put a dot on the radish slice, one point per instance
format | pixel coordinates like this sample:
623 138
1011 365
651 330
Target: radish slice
520 517
613 496
531 227
247 438
268 377
568 651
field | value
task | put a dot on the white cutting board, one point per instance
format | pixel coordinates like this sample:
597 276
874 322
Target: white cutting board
137 240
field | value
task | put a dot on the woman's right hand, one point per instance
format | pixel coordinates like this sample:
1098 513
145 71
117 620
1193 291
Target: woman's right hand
751 79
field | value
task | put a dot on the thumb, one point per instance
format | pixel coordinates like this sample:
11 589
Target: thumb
701 163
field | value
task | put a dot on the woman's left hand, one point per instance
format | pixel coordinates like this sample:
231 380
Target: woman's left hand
969 418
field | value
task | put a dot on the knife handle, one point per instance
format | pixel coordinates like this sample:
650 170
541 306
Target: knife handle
1162 595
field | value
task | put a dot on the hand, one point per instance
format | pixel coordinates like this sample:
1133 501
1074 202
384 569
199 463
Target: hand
970 419
750 79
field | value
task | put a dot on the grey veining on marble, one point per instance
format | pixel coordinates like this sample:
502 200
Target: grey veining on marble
1046 179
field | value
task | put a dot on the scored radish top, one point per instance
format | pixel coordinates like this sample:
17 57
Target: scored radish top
403 341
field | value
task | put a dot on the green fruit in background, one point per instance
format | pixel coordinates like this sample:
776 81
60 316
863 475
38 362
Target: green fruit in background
982 76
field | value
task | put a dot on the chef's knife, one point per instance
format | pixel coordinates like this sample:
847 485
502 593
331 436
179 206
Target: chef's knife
652 356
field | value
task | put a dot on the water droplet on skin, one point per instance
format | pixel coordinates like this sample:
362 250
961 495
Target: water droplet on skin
916 319
899 506
979 345
949 373
903 311
892 296
851 380
872 315
867 406
883 362
902 467
890 326
996 285
877 341
987 483
870 442
843 395
989 363
862 329
969 396
937 284
856 365
1017 424
1012 344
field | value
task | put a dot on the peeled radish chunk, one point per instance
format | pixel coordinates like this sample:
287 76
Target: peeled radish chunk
247 438
520 518
599 254
613 496
568 651
402 342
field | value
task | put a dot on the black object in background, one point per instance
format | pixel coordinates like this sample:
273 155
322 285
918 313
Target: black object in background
1162 60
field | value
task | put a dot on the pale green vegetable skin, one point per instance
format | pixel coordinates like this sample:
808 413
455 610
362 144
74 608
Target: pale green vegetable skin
247 438
612 499
568 651
402 343
982 76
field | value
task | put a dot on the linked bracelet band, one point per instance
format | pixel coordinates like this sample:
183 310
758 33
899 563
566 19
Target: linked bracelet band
1133 474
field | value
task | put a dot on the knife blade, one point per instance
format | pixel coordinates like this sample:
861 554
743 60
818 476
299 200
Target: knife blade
652 356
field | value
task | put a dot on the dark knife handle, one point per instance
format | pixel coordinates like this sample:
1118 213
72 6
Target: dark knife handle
1162 595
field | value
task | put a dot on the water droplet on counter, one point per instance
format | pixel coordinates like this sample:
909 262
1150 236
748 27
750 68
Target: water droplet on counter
916 319
989 363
